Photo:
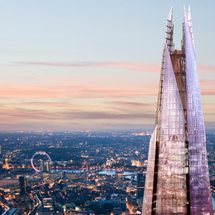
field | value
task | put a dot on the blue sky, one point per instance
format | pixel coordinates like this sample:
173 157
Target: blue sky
76 65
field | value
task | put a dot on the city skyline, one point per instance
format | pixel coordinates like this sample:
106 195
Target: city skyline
77 66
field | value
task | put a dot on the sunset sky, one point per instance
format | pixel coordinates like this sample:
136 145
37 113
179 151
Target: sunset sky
80 64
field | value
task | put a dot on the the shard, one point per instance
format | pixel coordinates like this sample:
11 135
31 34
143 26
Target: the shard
177 179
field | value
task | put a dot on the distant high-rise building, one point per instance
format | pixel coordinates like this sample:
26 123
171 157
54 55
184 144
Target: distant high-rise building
6 165
140 185
41 165
45 166
48 166
23 183
177 180
140 188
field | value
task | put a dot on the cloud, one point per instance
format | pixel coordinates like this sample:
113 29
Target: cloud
131 66
15 114
209 114
207 83
207 92
106 115
21 118
205 68
71 92
117 92
207 87
27 91
59 104
90 103
127 104
61 120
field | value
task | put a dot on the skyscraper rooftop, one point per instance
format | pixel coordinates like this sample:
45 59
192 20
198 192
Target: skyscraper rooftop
177 180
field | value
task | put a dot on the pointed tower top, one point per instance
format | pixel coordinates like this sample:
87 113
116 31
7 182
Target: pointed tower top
169 30
189 14
185 14
170 14
188 20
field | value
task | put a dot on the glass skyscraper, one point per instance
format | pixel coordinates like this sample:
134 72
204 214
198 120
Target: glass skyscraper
177 179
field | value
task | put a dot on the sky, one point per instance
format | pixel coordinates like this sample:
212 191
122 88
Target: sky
75 65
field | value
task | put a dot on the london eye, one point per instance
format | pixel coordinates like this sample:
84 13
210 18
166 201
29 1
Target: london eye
39 153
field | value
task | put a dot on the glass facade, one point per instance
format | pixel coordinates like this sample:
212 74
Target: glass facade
172 168
148 192
177 179
200 195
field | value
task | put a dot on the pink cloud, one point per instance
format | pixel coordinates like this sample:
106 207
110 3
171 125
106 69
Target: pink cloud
207 83
205 68
129 104
27 92
73 92
68 114
132 66
207 92
207 87
91 91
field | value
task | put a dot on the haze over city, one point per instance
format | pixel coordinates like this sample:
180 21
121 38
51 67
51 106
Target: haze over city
77 65
100 107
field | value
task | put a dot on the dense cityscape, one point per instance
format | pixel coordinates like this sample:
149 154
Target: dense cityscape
89 173
107 107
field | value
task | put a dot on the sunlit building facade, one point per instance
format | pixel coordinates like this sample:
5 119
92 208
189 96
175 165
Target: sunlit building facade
177 179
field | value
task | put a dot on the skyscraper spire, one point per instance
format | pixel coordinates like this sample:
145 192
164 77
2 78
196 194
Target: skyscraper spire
169 31
177 179
189 20
170 14
185 13
200 195
189 14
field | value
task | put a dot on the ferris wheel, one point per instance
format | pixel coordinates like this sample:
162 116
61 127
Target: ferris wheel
39 153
